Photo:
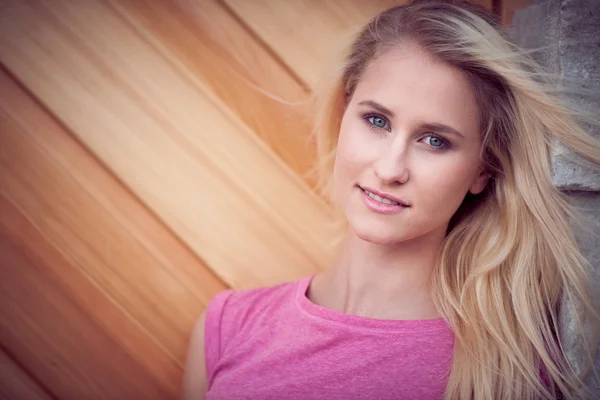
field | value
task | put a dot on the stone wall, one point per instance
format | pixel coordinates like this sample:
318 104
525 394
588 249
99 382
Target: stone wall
570 32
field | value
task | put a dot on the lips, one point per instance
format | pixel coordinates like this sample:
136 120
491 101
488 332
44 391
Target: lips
385 195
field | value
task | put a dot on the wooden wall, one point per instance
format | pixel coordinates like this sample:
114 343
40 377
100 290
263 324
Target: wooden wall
150 156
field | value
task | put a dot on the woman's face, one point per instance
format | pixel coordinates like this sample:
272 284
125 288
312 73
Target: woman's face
411 131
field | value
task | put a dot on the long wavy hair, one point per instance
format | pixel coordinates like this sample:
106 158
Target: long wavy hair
510 257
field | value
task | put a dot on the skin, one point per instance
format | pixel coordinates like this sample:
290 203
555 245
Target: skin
195 382
384 266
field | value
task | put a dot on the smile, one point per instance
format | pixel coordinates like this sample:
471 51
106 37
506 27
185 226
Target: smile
380 199
379 204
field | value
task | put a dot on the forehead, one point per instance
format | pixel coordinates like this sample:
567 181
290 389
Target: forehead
416 87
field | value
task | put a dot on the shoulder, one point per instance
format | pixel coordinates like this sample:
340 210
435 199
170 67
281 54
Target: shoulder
244 301
226 315
232 312
235 309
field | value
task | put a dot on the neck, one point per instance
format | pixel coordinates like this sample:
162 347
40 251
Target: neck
383 281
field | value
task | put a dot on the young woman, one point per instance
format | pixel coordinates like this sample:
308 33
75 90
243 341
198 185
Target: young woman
435 141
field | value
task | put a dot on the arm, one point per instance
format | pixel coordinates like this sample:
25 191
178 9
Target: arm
194 376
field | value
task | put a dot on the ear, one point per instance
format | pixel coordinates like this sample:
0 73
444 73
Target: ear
480 182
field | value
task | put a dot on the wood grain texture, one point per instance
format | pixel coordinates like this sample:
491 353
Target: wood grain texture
16 383
309 35
89 214
108 270
169 139
305 33
48 323
235 67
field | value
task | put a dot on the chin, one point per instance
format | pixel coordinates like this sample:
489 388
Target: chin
379 236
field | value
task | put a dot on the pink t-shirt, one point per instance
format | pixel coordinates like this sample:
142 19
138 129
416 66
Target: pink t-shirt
274 343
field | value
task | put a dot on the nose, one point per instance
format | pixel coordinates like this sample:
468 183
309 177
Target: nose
392 165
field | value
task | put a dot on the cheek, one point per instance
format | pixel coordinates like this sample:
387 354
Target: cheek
351 157
351 162
445 185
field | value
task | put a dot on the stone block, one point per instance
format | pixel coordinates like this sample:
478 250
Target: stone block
569 33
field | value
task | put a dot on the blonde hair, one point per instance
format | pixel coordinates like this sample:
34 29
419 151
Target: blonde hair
510 254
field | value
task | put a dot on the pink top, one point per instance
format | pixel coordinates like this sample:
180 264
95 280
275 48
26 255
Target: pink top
274 343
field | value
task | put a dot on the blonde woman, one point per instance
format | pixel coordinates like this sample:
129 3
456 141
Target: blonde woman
435 142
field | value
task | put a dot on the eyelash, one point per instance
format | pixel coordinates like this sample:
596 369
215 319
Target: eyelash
445 142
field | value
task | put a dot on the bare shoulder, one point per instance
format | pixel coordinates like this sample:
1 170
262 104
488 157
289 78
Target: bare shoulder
195 381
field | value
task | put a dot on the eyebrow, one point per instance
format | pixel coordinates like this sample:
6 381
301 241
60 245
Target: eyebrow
378 107
432 126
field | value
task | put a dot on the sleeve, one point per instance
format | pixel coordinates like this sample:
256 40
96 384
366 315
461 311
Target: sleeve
212 331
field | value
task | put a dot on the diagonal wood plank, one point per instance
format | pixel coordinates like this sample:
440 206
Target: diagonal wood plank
49 324
163 132
16 383
215 21
115 242
309 35
234 67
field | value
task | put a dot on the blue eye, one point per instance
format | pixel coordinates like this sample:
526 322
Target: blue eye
438 143
376 121
435 141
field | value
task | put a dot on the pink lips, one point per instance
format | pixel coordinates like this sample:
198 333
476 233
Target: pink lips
385 195
380 207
